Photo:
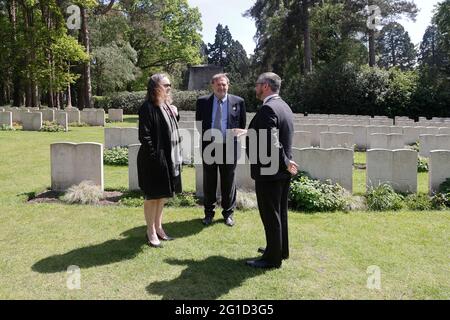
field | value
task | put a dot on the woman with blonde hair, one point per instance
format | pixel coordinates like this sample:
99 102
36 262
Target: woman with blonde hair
159 158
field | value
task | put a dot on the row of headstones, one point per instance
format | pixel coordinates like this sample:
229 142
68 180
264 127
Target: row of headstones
362 133
347 116
366 122
90 116
392 141
397 168
123 137
32 121
72 163
347 120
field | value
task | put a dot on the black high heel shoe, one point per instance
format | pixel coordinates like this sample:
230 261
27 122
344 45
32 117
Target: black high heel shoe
166 238
159 245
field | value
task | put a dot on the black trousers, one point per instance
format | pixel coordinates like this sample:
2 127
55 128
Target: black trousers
272 199
227 188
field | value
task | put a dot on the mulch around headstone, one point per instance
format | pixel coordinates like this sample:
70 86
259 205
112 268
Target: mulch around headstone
50 196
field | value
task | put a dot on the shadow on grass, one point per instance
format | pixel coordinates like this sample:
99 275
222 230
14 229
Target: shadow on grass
207 279
113 251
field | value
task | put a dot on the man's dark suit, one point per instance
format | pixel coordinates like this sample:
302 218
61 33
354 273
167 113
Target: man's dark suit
236 119
272 190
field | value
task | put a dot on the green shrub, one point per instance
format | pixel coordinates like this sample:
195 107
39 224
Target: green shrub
186 100
418 202
78 124
132 199
444 187
414 146
310 195
85 193
383 198
49 126
5 127
130 102
422 164
136 199
102 102
440 201
117 156
185 199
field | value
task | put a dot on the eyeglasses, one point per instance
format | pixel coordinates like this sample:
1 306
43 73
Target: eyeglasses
167 85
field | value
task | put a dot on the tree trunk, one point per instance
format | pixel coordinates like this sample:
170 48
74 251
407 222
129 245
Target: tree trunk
87 66
306 37
17 85
28 94
371 48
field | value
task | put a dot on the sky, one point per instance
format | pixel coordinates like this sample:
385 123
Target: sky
229 12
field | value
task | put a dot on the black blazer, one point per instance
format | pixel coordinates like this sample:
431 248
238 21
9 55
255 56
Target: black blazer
236 114
276 114
154 161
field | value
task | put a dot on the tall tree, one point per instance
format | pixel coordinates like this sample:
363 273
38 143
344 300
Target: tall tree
164 33
442 21
390 10
395 47
430 52
228 53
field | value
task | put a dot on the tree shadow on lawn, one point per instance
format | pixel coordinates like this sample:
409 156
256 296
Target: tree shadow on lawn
206 279
114 250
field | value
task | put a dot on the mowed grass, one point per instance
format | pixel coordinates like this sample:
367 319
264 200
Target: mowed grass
329 252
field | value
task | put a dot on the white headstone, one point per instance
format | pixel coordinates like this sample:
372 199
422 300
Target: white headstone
133 181
334 164
48 115
397 168
93 117
336 140
73 115
6 118
31 121
439 168
72 163
429 142
62 119
115 115
121 137
391 141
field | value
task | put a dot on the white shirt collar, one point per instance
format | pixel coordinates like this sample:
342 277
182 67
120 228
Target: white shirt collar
270 97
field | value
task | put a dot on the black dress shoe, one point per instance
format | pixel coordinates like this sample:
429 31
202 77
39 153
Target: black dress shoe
263 250
207 221
229 221
262 264
166 238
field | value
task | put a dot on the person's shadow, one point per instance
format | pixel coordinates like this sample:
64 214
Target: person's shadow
207 279
115 250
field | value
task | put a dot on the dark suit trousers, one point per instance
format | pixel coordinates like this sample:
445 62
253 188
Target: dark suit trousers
227 187
272 199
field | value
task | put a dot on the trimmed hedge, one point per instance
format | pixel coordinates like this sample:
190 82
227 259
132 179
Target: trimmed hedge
131 101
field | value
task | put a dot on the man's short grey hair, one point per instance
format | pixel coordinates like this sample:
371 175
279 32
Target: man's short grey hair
272 79
219 76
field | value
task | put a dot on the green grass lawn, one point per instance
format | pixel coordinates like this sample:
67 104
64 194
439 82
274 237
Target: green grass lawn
330 252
